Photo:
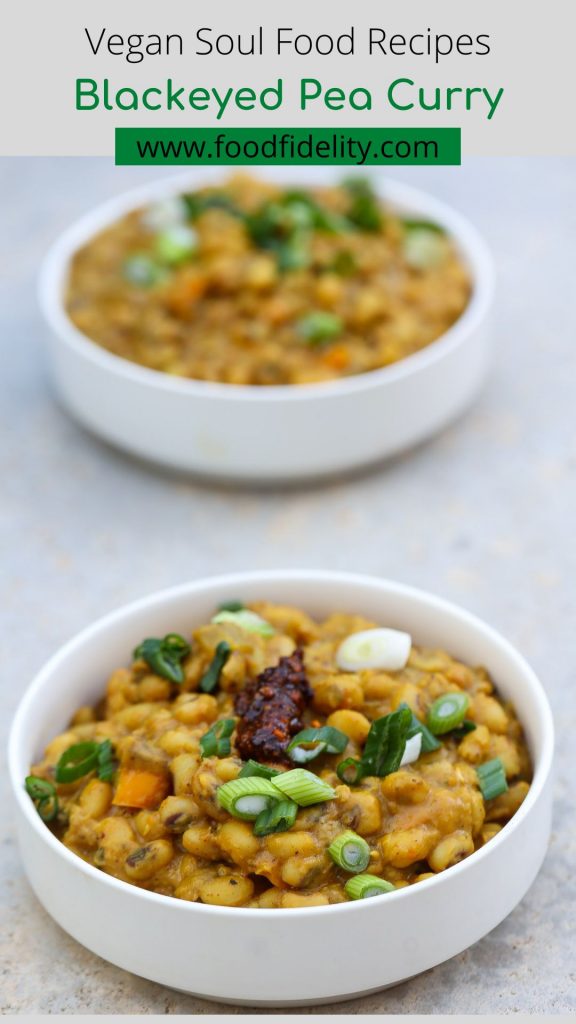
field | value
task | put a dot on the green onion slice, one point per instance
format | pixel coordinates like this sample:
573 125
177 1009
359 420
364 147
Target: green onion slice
350 771
211 677
216 742
319 326
277 818
77 761
410 224
176 244
309 743
247 798
492 778
140 269
429 741
164 656
362 887
447 712
106 763
231 606
304 787
43 796
254 768
350 852
247 620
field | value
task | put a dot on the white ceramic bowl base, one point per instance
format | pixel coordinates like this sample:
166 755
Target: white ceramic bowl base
269 433
281 957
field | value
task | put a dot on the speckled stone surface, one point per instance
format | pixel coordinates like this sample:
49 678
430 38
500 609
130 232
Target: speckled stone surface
484 515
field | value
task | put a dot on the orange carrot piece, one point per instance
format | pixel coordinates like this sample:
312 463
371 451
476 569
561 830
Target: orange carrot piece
137 788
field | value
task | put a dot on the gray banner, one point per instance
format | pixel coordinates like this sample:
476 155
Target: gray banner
503 72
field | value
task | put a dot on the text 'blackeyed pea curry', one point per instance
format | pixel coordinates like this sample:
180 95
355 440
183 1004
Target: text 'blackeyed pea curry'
275 761
250 283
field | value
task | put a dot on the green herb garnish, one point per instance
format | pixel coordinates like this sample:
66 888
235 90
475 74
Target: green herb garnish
216 742
164 656
364 211
211 677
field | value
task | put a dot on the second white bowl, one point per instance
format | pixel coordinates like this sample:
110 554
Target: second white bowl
269 433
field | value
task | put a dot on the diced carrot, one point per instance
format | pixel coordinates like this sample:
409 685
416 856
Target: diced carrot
136 788
337 357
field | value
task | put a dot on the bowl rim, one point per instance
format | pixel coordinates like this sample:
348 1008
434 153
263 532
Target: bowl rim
542 768
56 262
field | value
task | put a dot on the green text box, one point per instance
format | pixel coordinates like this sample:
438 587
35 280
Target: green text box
368 147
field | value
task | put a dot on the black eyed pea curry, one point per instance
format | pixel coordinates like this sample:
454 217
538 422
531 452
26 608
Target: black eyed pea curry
275 761
250 283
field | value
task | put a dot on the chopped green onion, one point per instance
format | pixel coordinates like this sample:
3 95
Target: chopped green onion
304 787
277 818
319 326
447 712
310 213
388 649
211 677
77 761
362 887
106 763
176 244
463 730
142 270
492 778
349 771
412 749
197 204
252 768
350 852
294 253
417 225
216 742
365 210
247 620
309 743
231 606
424 248
43 796
246 798
165 214
429 741
164 656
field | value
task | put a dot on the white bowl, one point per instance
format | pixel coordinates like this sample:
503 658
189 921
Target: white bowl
281 957
268 433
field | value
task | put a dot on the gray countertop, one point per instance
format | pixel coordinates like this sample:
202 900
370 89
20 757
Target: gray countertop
483 515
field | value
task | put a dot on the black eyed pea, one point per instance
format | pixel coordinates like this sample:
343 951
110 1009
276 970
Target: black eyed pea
96 798
338 691
238 841
195 708
302 872
353 723
450 850
153 688
201 841
149 825
183 768
406 846
226 890
489 831
177 812
303 899
146 861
